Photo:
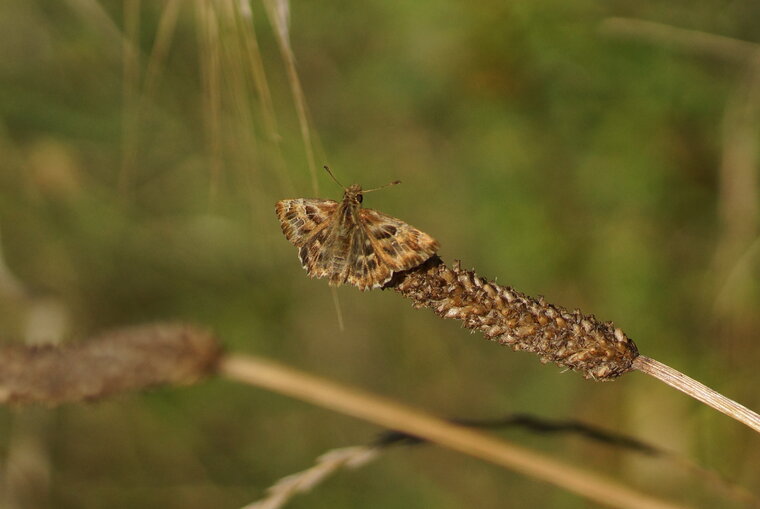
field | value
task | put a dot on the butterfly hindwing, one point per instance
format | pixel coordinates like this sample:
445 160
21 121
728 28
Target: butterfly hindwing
367 269
399 245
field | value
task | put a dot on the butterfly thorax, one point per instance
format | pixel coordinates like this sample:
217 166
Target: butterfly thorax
348 212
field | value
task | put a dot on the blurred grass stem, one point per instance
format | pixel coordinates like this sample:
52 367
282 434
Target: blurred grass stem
130 93
277 13
695 41
164 35
389 414
208 42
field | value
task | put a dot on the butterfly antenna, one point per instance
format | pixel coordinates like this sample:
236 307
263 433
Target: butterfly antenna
333 177
395 182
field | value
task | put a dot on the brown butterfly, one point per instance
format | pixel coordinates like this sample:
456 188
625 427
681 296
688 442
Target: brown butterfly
351 244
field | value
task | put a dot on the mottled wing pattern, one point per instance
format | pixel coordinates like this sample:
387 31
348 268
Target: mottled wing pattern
320 254
343 252
399 245
348 244
302 218
367 269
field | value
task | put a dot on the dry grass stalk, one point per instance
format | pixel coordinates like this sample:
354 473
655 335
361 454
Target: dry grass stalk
327 464
27 466
738 180
357 456
738 208
598 350
596 434
141 357
130 93
737 205
697 391
278 14
164 36
121 360
389 414
703 43
209 59
255 67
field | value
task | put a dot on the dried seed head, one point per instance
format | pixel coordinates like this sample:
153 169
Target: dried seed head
570 339
490 290
125 359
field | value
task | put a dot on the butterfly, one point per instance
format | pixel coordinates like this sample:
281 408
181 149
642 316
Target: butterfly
350 244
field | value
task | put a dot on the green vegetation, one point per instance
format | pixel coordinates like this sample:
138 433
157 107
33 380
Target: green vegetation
605 173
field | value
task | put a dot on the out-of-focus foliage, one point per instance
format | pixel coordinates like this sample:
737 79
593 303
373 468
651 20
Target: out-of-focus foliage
580 166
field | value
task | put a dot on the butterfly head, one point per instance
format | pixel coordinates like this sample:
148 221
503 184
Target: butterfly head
353 194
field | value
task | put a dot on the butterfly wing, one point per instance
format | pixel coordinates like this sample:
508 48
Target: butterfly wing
302 218
397 244
343 252
317 254
366 269
348 244
322 230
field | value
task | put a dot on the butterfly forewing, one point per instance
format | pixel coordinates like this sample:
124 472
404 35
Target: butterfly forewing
303 217
313 256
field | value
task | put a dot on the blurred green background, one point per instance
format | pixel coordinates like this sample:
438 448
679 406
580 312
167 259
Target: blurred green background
143 146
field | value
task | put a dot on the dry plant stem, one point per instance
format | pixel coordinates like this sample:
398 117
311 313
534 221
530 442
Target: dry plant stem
209 57
28 465
331 462
738 207
164 35
275 10
130 95
327 464
128 359
392 415
573 340
725 48
698 391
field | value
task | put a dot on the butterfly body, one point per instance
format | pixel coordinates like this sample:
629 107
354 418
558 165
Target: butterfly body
350 244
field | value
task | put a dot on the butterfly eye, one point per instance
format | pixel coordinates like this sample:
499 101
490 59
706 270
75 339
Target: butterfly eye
360 198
